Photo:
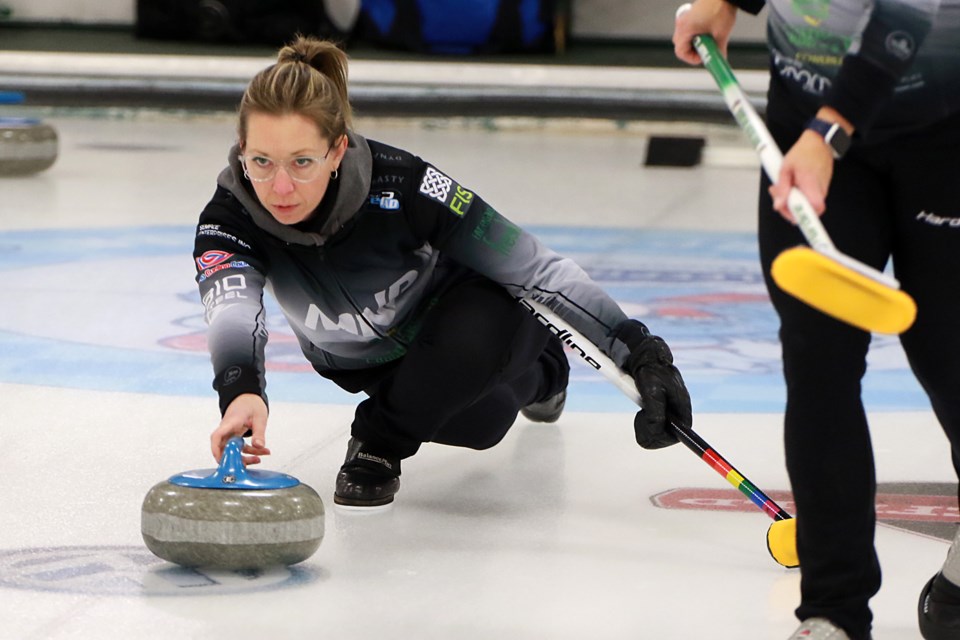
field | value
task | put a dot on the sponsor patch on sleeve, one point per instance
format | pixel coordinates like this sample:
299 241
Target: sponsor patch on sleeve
444 189
211 258
213 230
214 261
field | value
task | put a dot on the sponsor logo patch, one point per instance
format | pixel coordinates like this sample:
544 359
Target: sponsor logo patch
214 231
436 185
900 45
233 264
211 258
928 217
443 189
231 375
386 200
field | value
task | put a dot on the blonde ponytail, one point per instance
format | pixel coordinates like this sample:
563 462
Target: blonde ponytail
308 79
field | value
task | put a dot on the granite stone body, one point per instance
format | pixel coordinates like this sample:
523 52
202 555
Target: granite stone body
26 146
232 529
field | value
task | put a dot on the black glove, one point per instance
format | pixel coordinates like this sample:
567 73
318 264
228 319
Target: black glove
663 396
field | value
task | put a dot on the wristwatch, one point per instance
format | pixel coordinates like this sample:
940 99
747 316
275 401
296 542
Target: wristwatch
833 134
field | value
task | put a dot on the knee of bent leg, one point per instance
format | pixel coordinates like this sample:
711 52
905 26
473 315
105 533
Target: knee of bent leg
830 353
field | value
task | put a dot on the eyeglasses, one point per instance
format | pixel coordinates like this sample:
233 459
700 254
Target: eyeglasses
300 169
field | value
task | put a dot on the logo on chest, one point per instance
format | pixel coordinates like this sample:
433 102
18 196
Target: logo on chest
387 200
364 323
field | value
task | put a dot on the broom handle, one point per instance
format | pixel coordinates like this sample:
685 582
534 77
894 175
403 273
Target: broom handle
596 359
771 159
770 156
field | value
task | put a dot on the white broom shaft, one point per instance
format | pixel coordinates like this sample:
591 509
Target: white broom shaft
587 351
770 156
771 159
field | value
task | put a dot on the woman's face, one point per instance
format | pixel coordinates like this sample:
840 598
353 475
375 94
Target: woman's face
292 146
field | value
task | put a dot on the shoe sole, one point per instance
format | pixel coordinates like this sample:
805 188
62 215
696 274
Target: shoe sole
352 502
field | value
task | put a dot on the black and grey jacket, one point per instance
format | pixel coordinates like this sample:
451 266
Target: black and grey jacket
354 282
887 65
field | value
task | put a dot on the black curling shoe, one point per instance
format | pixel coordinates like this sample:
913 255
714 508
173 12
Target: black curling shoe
366 479
547 411
939 610
556 375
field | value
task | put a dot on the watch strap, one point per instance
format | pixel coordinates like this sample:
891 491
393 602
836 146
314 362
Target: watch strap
833 134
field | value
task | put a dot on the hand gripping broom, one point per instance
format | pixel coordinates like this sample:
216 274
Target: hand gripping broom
819 275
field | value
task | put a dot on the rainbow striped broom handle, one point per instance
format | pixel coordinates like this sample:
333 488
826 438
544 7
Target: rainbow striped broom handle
700 447
596 359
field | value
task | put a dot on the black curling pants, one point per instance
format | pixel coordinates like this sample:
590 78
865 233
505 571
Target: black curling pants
478 359
899 199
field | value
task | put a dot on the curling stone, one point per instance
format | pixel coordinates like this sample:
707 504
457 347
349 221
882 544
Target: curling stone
231 517
27 146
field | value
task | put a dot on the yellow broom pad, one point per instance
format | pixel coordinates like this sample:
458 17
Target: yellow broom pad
782 542
842 293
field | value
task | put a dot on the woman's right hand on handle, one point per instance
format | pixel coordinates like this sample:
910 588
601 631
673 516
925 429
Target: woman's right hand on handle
713 17
247 412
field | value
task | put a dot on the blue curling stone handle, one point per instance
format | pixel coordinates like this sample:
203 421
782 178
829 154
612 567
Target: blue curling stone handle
233 474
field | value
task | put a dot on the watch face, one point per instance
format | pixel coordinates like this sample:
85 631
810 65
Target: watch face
833 134
839 141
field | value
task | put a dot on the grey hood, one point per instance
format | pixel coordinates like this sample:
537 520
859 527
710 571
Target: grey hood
354 179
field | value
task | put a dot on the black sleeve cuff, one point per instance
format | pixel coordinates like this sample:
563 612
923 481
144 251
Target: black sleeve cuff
750 6
630 332
234 381
860 92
